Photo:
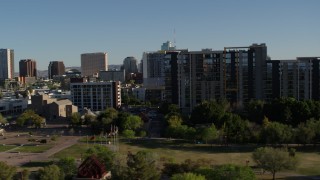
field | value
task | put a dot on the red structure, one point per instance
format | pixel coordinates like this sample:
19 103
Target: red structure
92 168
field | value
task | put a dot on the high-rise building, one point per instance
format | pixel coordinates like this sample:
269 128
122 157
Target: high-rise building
96 96
168 46
199 77
130 65
6 63
28 68
245 71
153 68
296 78
236 73
92 63
56 68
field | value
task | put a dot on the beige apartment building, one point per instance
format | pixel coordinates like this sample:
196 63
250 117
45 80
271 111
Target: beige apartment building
92 63
52 108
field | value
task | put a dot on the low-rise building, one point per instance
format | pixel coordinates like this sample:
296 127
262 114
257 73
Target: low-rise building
52 108
10 106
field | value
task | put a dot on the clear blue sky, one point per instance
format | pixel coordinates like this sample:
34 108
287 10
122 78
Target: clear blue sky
63 29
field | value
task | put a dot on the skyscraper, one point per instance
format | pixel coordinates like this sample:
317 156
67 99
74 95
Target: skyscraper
6 63
92 63
130 65
56 68
28 68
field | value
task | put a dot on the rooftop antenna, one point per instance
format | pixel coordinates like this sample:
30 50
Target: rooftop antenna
174 37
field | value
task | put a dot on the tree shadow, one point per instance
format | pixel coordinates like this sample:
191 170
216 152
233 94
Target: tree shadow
187 146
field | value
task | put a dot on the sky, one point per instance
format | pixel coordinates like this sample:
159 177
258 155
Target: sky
49 30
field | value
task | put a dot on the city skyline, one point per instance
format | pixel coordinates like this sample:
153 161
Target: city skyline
62 31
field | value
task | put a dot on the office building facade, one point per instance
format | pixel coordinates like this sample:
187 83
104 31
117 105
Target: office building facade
96 96
130 65
56 68
6 64
112 75
92 63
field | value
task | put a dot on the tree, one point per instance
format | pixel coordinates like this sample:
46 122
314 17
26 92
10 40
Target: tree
25 174
209 112
105 155
255 111
6 171
277 133
167 108
68 167
209 133
104 119
236 129
75 118
274 159
2 119
132 122
142 165
88 119
128 133
174 120
49 173
29 116
187 176
308 132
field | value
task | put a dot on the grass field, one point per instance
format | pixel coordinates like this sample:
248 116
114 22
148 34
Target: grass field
6 148
34 149
179 151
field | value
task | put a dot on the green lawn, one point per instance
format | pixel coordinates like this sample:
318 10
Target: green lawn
178 151
6 148
75 151
34 149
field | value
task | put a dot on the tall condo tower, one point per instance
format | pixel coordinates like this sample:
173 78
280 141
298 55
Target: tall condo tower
6 63
92 63
56 68
27 68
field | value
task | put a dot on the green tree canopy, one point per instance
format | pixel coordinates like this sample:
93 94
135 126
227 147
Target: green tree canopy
104 119
209 133
209 112
6 171
51 172
68 167
132 122
236 129
187 176
29 116
142 165
255 111
75 118
105 155
128 133
277 133
2 119
274 159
